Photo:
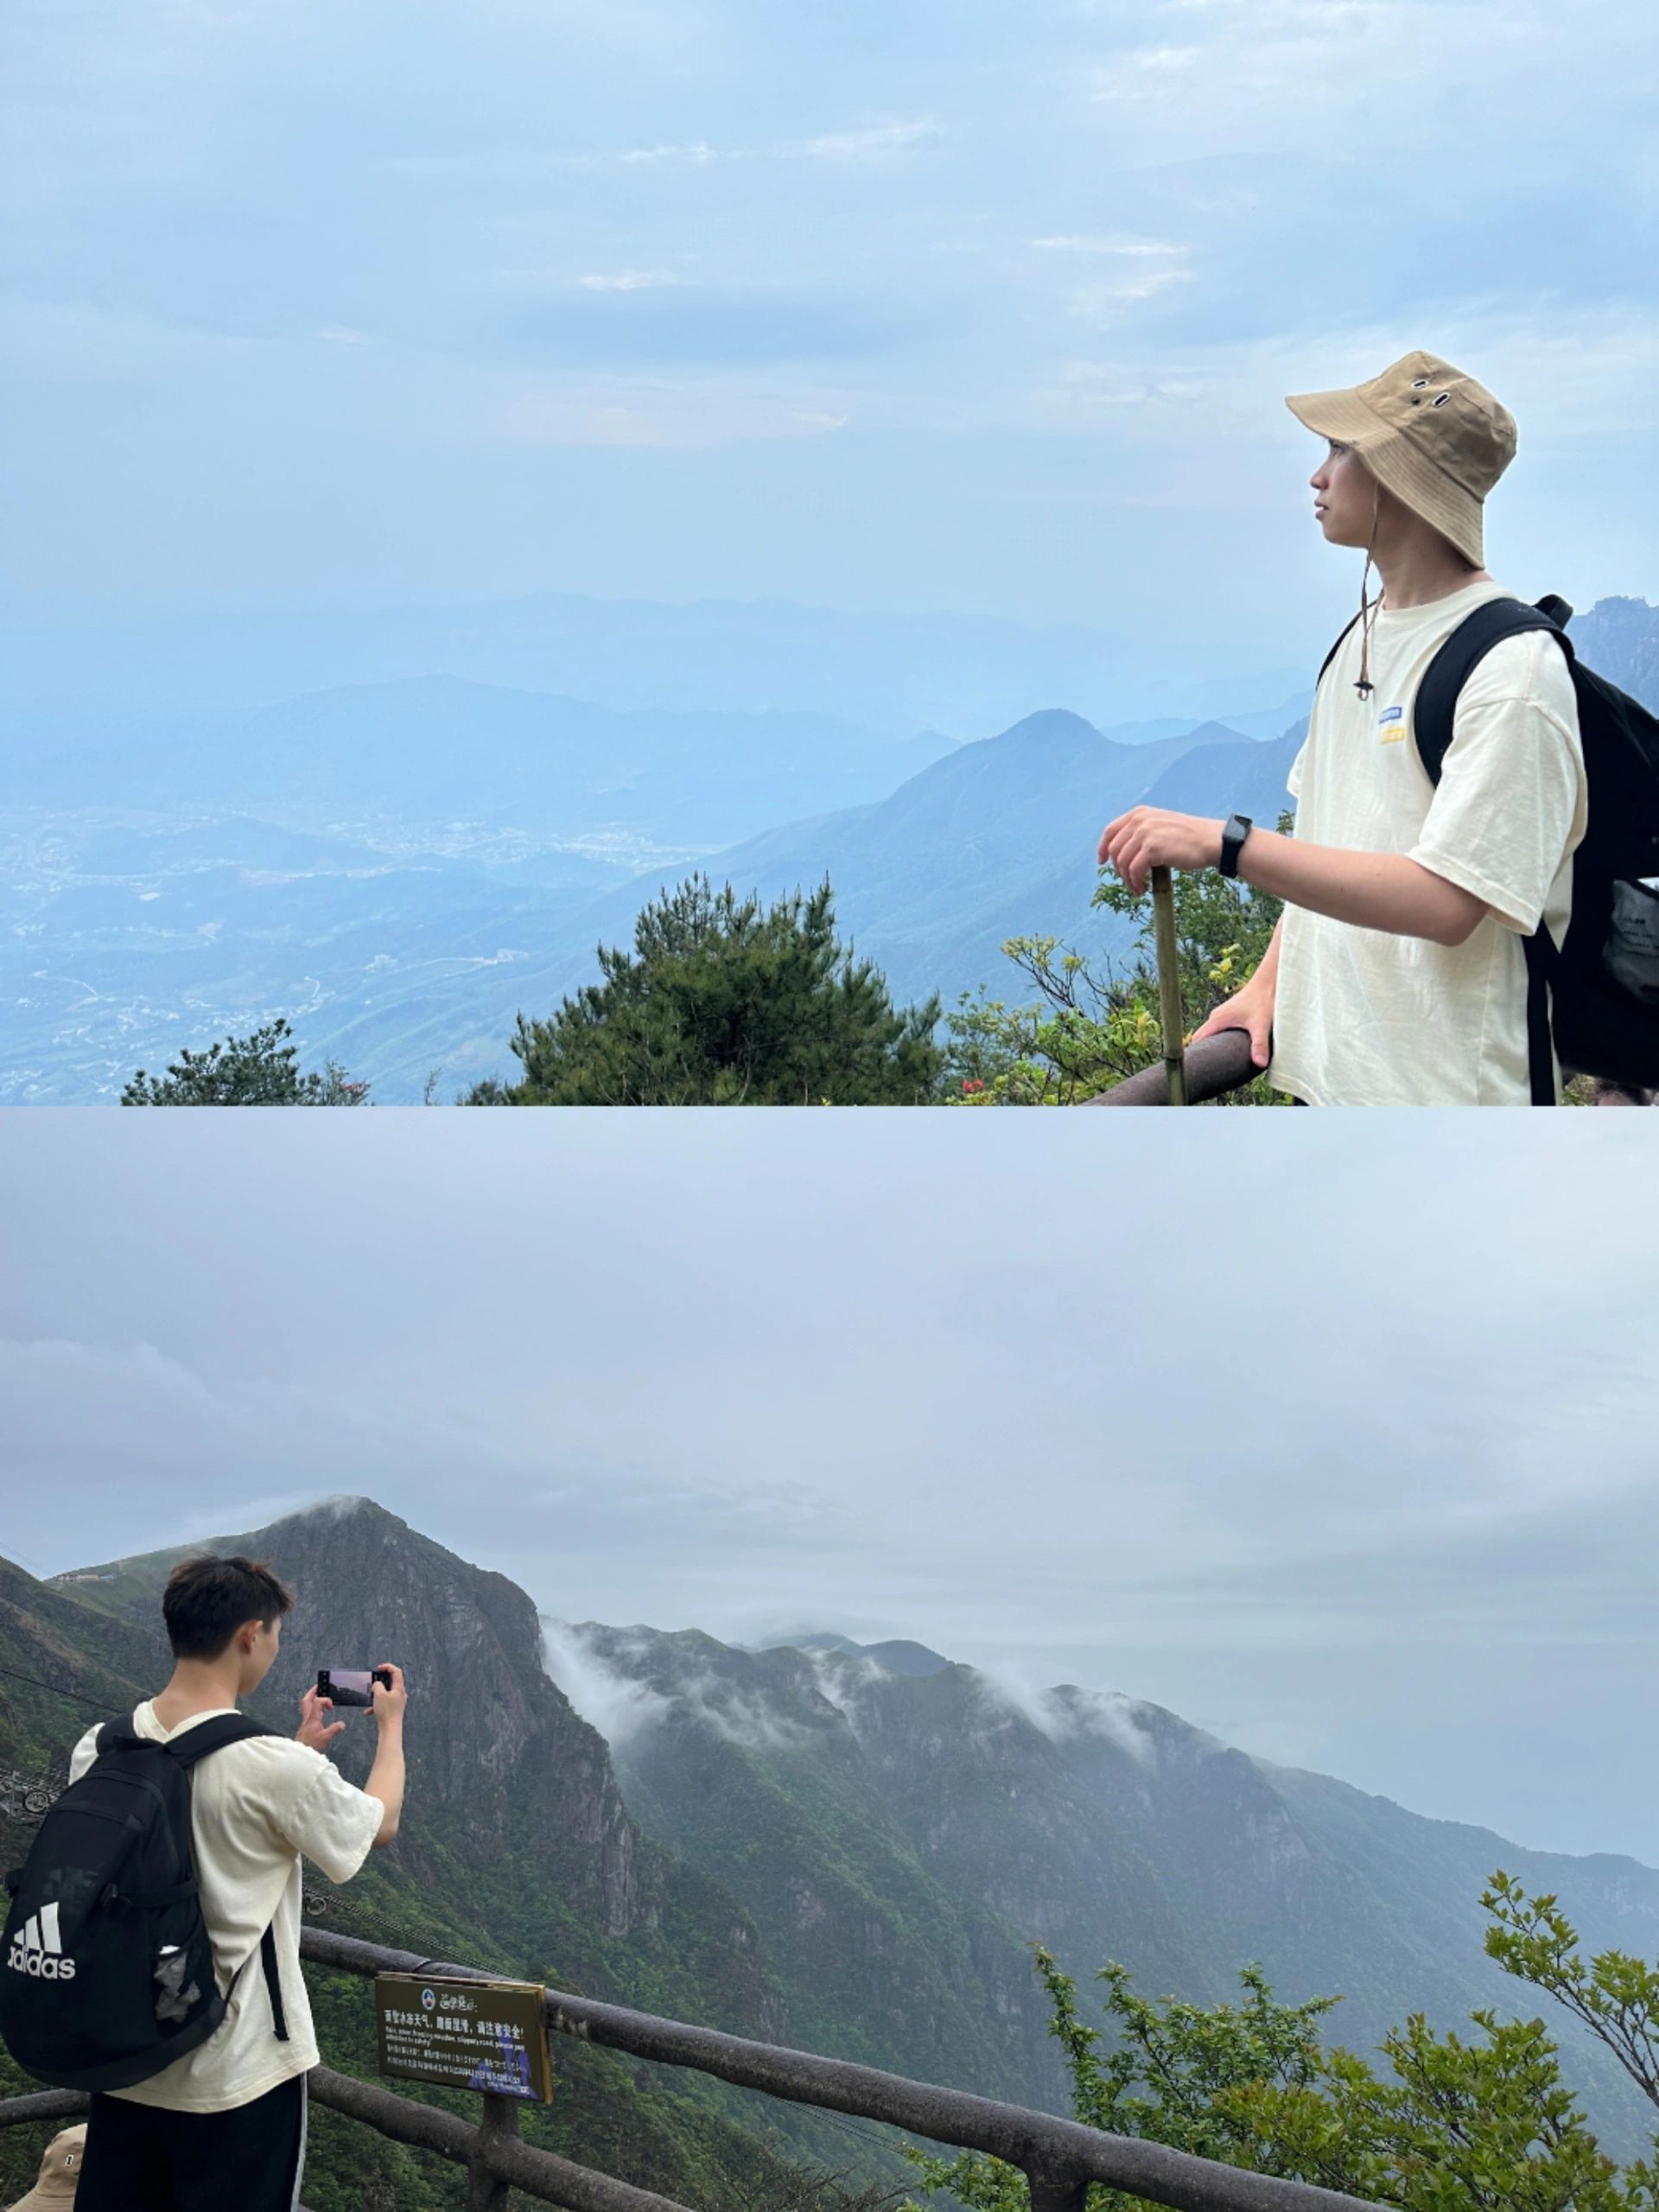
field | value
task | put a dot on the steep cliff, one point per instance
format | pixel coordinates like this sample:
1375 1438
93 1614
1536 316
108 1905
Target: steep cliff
516 1850
514 1818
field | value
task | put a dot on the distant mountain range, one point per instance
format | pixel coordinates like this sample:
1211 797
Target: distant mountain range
435 749
891 672
851 1847
401 869
396 948
901 1833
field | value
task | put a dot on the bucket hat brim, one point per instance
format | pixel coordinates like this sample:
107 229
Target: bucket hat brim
1398 464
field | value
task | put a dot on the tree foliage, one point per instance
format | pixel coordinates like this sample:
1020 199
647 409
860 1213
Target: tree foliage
1615 1996
724 1003
261 1068
1458 2123
1085 1031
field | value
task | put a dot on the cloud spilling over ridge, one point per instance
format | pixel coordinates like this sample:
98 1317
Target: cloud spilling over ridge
1067 1714
605 1698
624 1708
842 1678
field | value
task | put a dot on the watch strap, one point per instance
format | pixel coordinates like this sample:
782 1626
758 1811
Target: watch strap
1235 830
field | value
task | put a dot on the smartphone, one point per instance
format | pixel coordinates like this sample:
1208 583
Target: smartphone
350 1686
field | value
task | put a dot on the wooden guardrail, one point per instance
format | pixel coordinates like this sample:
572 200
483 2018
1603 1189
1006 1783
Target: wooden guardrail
1060 2158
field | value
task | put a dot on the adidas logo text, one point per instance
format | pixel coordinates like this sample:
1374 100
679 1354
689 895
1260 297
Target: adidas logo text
36 1950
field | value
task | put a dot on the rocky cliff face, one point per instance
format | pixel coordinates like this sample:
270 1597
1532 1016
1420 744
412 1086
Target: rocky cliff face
513 1814
516 1853
489 1737
1619 638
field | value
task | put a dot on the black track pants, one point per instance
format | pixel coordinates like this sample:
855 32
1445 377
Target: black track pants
140 2159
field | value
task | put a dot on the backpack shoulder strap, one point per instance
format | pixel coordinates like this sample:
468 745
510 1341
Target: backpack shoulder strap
1331 655
197 1744
1434 711
212 1736
1432 720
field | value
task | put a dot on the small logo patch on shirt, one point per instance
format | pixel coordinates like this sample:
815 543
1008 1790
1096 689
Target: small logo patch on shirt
1391 725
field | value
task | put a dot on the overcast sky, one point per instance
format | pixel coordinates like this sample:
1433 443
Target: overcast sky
1335 1434
890 304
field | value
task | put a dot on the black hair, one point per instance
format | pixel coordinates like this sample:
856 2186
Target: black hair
207 1601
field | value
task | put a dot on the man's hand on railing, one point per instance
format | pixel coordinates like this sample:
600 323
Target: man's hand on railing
1250 1010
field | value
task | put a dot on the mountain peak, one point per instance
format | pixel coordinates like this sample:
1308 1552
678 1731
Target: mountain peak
897 1655
1048 725
1216 733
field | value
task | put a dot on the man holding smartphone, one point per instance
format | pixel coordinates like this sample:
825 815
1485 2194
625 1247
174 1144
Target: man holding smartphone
225 2123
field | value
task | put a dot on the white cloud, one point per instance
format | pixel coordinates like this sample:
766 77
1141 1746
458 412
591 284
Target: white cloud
1064 1714
1570 382
870 142
1148 247
236 1516
843 1679
583 1660
629 280
607 1699
1288 56
691 414
882 141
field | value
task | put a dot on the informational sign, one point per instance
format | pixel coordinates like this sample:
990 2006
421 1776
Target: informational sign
468 2035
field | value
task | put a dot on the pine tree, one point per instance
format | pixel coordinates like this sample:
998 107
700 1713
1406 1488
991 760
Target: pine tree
722 1002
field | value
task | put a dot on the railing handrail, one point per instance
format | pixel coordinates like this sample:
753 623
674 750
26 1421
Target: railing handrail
1215 1066
1060 2158
492 2153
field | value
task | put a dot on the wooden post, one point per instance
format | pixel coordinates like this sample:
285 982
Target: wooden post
1169 983
484 2192
1052 2192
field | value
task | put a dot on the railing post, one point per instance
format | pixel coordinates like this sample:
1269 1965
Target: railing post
500 2119
1056 2192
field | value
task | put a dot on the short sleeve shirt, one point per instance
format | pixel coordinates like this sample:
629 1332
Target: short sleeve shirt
1366 1017
256 1809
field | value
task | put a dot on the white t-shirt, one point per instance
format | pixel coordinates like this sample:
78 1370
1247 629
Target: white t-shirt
1362 1017
255 1807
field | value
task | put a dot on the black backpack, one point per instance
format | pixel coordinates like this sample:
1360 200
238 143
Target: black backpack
1602 986
108 1973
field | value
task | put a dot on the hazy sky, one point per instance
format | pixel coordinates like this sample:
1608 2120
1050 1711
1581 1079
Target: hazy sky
890 304
1337 1435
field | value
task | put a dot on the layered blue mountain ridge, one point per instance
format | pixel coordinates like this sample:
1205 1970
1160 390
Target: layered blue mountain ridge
401 868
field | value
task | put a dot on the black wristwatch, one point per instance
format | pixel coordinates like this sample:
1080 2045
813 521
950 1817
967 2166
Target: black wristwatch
1236 829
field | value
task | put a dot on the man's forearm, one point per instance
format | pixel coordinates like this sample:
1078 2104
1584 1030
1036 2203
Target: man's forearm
1267 969
1374 891
385 1779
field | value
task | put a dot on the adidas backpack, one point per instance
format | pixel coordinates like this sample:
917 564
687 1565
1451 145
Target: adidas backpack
108 1971
1599 992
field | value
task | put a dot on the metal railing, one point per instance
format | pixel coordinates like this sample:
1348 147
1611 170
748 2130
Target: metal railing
1219 1064
1060 2158
1215 1066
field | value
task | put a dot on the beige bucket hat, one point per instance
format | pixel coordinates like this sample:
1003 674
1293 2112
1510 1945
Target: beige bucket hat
54 2191
1432 435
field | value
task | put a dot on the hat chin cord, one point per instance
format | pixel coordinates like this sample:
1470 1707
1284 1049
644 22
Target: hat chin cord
1365 686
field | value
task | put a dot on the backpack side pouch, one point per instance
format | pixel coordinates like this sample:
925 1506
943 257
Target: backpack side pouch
1631 952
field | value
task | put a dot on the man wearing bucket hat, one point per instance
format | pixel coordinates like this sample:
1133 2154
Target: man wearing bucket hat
1396 975
54 2190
